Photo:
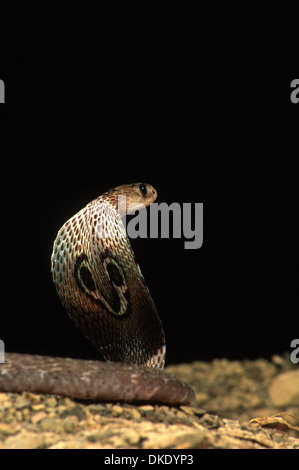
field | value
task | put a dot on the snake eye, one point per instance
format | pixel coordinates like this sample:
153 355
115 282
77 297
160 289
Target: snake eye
143 189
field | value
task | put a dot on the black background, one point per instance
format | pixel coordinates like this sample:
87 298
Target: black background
92 108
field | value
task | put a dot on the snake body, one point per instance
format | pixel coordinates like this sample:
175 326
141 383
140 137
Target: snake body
100 284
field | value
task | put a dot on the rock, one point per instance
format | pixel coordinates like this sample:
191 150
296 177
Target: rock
117 410
8 430
146 408
52 425
25 440
5 402
77 411
37 417
51 402
284 389
21 402
96 408
38 407
175 438
131 413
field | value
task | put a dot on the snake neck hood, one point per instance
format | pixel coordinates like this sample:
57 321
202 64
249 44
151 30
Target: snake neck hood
100 284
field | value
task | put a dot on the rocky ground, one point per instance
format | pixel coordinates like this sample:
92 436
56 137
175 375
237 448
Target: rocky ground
239 404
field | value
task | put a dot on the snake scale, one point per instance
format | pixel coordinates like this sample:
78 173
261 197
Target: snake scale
100 284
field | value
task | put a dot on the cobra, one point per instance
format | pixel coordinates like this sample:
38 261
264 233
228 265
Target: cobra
100 284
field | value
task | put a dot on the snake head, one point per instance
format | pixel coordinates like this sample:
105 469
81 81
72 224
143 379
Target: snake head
133 197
